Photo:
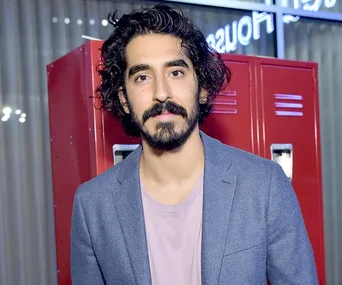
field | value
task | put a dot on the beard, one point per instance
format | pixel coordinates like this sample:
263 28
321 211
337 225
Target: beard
166 136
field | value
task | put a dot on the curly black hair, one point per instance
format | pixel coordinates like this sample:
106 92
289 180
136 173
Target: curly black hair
212 74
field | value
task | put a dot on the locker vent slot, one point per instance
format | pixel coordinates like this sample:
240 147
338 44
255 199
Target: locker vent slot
288 105
225 103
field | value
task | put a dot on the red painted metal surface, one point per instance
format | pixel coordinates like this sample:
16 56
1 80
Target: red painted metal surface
82 137
288 100
107 131
233 118
244 116
71 146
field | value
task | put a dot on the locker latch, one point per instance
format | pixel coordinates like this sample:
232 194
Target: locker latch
283 155
121 151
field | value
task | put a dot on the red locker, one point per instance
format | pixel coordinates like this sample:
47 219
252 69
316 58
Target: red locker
288 100
81 138
270 108
233 120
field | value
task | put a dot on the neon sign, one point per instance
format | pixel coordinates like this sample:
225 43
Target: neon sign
248 27
226 39
308 5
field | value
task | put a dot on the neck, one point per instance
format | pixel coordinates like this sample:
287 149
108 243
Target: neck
166 167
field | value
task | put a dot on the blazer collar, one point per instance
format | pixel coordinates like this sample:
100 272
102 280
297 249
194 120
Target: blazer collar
214 155
130 212
219 189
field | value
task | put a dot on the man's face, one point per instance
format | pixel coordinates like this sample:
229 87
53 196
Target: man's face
162 93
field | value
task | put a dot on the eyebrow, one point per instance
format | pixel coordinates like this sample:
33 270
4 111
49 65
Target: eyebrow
178 62
137 68
141 67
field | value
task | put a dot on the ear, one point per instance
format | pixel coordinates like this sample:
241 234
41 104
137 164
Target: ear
203 98
123 100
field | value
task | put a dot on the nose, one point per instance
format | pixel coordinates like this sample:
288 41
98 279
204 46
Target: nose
161 90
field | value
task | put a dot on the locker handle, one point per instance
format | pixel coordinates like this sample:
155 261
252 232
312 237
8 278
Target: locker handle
121 151
283 155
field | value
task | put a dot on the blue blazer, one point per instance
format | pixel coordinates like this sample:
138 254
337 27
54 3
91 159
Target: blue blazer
253 228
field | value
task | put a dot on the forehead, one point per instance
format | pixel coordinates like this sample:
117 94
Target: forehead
154 49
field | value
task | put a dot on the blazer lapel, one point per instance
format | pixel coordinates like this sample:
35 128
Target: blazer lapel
131 215
219 189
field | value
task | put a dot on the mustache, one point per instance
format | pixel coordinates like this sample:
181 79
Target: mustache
158 108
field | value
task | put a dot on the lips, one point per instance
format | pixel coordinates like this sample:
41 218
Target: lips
166 114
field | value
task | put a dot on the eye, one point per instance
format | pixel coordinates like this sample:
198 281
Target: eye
141 78
177 73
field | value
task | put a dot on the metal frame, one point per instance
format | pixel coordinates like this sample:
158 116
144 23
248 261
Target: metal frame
278 11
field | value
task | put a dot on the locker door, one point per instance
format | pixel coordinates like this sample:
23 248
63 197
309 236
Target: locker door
231 121
287 95
109 136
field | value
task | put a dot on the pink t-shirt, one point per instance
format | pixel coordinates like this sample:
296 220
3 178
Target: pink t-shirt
174 235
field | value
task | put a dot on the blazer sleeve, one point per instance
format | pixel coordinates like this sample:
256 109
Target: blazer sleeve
290 258
84 266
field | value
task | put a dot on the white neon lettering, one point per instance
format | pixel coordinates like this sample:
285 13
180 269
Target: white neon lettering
241 31
330 3
211 41
257 19
290 19
245 21
231 38
296 3
313 7
220 40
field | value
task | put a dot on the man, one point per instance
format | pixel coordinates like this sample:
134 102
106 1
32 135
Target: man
182 209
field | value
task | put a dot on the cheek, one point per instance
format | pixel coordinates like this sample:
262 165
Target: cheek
143 99
185 91
139 101
187 98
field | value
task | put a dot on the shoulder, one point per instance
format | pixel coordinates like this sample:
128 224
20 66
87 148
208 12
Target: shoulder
109 181
240 161
256 176
98 187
